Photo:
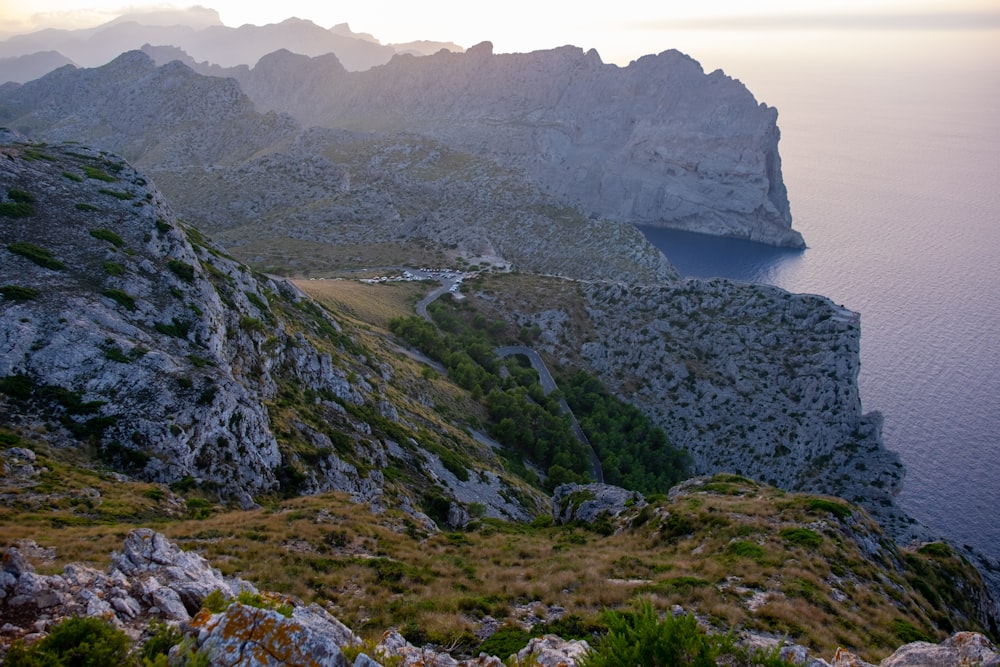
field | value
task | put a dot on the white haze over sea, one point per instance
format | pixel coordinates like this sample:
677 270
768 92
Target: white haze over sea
891 154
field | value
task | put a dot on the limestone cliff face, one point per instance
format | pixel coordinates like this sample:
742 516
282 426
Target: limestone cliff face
125 330
656 143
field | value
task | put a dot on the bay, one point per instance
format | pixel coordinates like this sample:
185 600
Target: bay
893 173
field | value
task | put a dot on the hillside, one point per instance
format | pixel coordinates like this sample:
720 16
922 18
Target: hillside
149 379
131 335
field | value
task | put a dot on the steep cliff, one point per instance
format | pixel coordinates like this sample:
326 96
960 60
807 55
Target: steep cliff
656 143
124 330
269 190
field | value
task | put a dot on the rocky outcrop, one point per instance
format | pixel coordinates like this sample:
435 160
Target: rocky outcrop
152 580
124 330
656 143
959 650
748 379
261 186
245 635
589 503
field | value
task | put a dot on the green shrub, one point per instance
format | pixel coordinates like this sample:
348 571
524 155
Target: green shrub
16 210
182 270
97 174
114 269
801 537
506 641
745 549
73 177
84 206
117 194
108 235
838 509
641 639
177 328
21 196
216 601
163 639
123 298
906 632
76 642
198 508
40 256
18 293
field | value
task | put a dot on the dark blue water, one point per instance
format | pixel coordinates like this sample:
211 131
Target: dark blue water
896 189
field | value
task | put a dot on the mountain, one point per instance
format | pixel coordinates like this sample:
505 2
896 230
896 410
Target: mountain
557 120
126 331
147 376
200 33
32 66
258 181
656 143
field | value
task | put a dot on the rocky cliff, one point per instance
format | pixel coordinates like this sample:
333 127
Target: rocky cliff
656 143
268 190
124 330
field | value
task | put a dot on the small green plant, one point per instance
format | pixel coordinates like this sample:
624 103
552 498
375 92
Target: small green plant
801 537
73 177
114 269
109 236
124 299
745 549
838 509
216 601
84 206
21 196
117 194
198 508
182 270
80 641
177 328
641 639
40 256
97 174
18 293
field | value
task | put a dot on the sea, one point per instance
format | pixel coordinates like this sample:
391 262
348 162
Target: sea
891 156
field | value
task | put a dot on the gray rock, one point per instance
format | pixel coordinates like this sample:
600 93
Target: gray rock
253 637
15 563
590 502
963 648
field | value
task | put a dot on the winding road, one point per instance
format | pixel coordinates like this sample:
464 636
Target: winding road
544 376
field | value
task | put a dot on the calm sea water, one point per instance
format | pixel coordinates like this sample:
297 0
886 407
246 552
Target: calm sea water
894 180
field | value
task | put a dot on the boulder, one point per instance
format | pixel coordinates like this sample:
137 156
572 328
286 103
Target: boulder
246 636
588 503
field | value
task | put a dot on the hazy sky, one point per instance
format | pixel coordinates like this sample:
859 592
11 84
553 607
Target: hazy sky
620 30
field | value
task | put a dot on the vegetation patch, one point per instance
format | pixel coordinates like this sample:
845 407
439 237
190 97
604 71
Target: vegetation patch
84 206
182 270
114 268
117 194
18 293
98 174
801 537
40 256
123 299
109 236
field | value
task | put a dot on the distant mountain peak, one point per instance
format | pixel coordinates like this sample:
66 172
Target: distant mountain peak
196 17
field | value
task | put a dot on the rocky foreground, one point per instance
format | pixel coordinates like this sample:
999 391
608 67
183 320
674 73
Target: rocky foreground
151 579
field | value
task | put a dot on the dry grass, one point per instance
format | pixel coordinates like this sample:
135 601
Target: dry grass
374 304
377 571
